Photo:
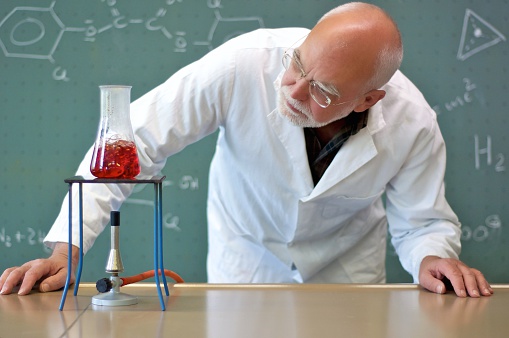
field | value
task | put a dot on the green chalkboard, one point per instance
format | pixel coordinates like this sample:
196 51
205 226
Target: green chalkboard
54 54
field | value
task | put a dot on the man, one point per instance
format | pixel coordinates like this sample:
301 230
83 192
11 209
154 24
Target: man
303 157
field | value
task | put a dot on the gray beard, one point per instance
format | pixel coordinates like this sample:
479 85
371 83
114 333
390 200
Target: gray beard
300 120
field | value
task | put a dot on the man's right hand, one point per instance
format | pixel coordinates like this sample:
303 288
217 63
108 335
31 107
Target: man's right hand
50 273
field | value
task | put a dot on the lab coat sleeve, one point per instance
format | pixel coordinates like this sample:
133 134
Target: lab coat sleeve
421 222
190 105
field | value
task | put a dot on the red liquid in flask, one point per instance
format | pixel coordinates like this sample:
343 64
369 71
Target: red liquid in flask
118 159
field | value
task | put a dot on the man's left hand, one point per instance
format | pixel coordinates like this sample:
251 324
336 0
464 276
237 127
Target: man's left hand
465 281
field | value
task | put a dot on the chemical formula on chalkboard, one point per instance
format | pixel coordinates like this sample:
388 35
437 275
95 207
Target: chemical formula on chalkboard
461 100
28 236
47 29
495 160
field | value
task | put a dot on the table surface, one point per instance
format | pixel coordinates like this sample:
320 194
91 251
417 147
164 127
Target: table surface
280 310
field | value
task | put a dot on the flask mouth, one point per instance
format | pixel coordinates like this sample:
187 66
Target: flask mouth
115 86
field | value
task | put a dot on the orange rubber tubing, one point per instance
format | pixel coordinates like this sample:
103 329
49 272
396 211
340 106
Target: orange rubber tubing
149 274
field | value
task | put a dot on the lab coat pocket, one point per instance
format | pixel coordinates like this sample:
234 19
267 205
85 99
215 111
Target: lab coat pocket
348 206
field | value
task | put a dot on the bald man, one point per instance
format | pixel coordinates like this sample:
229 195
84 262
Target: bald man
314 128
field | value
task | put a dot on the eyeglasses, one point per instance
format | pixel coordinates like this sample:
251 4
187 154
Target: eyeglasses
320 92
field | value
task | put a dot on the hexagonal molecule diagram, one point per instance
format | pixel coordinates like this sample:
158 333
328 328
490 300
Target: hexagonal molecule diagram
31 32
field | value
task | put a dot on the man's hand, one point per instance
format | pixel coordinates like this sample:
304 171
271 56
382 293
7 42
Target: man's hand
466 281
51 273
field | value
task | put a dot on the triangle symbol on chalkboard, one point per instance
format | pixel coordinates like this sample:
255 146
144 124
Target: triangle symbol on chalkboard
477 35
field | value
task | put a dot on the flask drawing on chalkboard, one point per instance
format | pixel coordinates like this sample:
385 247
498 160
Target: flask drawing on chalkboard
115 154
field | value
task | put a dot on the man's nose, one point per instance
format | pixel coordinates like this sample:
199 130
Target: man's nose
299 89
299 86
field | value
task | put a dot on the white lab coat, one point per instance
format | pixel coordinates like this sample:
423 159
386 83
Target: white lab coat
267 222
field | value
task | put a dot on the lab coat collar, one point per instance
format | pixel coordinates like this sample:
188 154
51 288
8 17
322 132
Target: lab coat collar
293 141
357 151
376 118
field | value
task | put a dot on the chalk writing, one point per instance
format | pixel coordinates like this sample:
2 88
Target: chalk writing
477 35
499 162
38 44
120 22
214 4
170 221
236 26
189 183
492 227
461 100
28 236
47 30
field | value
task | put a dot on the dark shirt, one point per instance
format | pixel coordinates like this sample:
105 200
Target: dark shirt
321 156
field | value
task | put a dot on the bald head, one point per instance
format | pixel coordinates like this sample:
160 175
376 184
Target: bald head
362 38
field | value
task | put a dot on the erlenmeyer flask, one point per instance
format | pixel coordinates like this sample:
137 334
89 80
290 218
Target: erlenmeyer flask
115 154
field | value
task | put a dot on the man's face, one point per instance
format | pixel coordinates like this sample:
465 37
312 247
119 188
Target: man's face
301 113
311 75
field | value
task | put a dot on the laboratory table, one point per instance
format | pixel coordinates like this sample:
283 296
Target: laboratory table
260 310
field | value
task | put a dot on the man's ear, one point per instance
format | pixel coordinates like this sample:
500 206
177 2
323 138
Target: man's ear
369 100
